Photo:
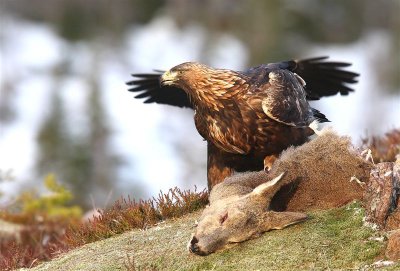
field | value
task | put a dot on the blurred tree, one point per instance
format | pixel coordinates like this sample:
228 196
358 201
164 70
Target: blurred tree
82 161
84 19
104 161
52 137
7 113
67 157
272 30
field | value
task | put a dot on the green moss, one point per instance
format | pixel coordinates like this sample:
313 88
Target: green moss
333 239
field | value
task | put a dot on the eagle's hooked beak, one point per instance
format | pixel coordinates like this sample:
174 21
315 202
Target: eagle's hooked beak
168 78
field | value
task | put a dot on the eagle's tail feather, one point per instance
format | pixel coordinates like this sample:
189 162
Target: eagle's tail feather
319 116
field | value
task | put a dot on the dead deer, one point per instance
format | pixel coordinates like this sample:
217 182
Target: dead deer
236 213
317 176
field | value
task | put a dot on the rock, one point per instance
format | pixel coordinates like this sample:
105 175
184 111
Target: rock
393 246
393 220
381 194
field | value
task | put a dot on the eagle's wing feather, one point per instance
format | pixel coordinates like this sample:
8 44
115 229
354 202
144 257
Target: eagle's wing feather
324 78
148 87
285 99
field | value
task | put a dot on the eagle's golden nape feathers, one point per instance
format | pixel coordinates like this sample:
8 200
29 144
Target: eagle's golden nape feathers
207 86
248 117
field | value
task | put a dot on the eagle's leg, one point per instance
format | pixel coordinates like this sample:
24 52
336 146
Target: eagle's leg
217 168
269 161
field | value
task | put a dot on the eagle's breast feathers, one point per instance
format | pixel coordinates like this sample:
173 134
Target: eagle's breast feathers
239 117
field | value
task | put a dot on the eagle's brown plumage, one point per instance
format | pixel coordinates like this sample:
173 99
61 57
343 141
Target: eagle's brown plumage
247 116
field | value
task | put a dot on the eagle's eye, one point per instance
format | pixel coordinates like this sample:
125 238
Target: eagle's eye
177 71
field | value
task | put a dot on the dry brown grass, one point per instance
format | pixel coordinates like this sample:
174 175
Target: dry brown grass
385 148
127 214
43 240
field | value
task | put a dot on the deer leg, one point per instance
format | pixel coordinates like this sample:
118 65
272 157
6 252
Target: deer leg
269 161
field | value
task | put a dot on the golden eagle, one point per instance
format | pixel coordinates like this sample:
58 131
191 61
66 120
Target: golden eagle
248 117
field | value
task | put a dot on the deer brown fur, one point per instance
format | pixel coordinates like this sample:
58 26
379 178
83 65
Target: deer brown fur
320 171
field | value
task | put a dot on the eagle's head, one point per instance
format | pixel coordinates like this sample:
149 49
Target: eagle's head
185 75
201 82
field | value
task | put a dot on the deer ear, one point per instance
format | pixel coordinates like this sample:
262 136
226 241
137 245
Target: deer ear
267 190
280 220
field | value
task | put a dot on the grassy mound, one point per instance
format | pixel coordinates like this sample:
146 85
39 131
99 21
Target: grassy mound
333 239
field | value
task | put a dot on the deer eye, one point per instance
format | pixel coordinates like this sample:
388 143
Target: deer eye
223 218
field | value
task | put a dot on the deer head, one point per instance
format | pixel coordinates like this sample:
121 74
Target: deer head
238 218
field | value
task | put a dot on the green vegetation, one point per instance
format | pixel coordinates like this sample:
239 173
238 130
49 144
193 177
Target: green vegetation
53 205
333 239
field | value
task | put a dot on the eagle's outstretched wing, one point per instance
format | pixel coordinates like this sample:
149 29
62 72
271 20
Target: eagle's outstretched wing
148 86
324 78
